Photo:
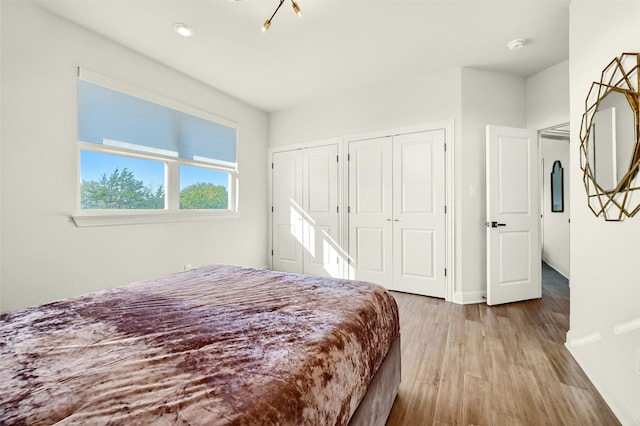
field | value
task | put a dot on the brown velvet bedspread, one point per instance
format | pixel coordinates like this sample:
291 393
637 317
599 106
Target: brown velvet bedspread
214 345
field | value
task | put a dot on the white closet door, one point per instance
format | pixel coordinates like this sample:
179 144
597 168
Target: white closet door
287 230
370 217
418 213
320 211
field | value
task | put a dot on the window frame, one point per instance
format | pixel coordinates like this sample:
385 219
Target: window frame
172 211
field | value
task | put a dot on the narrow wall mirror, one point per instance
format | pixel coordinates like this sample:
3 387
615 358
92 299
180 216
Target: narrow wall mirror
557 187
609 143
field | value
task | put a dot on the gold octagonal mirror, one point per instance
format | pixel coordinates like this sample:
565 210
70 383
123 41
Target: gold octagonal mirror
609 143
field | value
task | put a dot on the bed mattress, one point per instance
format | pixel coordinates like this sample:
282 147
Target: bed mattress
214 345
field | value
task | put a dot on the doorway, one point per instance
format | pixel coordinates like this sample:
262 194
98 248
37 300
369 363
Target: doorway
525 186
554 201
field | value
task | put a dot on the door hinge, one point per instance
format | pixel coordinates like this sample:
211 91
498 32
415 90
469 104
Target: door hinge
271 209
348 157
349 209
445 209
337 158
337 209
337 260
445 272
445 147
271 252
272 165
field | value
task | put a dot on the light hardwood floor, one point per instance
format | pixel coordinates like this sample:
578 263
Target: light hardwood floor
501 365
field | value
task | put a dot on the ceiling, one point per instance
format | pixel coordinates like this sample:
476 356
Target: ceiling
336 46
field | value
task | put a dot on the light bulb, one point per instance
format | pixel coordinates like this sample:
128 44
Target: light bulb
183 29
296 8
266 25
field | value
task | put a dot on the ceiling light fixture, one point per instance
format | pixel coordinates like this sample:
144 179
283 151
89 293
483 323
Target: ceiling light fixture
296 9
516 44
183 29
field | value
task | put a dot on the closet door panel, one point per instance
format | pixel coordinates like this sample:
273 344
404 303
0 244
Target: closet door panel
287 216
372 242
414 173
322 257
320 207
418 248
418 217
370 204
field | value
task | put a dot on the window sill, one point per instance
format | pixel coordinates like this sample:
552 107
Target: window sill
114 219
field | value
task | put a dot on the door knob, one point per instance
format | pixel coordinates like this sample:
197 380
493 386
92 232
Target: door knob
494 224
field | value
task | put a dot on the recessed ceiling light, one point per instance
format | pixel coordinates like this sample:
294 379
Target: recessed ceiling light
183 29
516 44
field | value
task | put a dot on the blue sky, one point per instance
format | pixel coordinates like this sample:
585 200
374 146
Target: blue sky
94 164
191 175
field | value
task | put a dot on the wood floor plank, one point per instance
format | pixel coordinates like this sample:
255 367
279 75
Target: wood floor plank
475 361
476 399
513 336
498 365
449 404
503 411
530 402
500 379
589 403
565 367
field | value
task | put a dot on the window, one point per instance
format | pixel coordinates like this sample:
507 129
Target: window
203 188
150 157
112 181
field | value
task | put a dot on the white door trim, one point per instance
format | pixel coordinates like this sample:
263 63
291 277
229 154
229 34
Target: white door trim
567 188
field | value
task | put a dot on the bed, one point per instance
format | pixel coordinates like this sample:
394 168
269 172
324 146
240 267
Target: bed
214 345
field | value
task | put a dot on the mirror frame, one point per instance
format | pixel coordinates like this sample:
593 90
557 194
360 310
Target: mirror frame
620 75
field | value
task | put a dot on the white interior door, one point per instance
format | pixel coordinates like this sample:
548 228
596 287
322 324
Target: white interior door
287 230
418 213
371 211
513 236
320 211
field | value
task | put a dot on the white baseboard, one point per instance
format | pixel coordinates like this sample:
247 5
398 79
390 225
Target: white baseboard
555 268
469 297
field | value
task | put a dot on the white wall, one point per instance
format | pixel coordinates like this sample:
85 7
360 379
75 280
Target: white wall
548 97
555 246
44 256
605 279
424 99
